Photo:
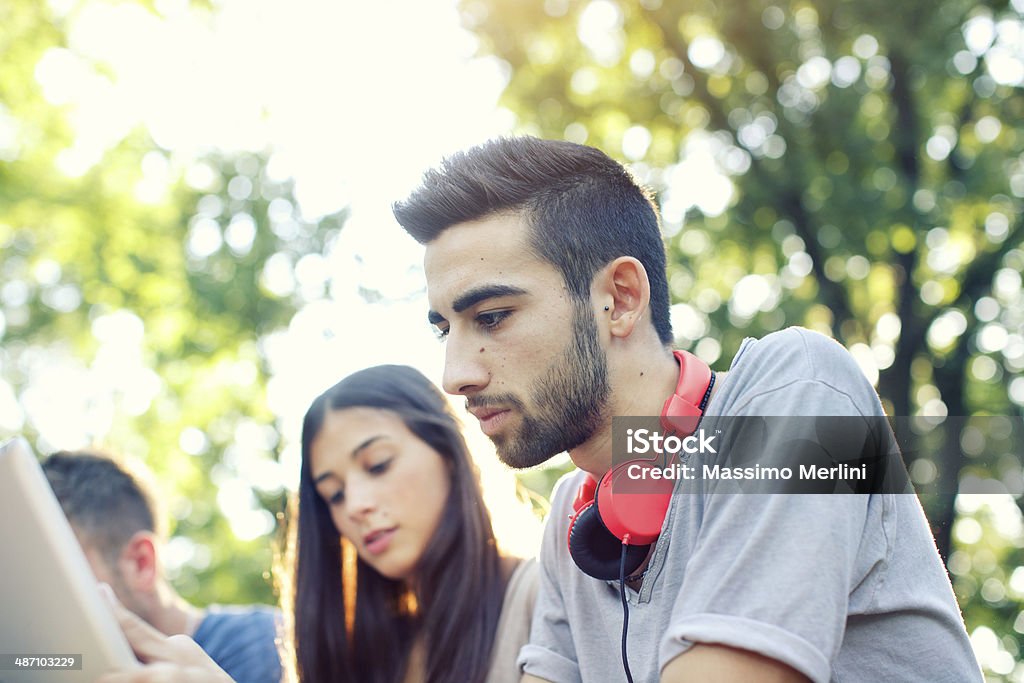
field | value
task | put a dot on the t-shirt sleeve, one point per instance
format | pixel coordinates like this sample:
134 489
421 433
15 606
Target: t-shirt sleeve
772 573
551 654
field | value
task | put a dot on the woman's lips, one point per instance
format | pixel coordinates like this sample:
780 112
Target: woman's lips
378 541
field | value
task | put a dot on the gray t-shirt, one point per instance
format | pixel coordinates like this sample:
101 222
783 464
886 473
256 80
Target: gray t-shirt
843 588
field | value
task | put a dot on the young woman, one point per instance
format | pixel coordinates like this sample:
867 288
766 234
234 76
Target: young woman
397 575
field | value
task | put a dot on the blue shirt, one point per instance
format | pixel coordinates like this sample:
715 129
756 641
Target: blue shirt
242 642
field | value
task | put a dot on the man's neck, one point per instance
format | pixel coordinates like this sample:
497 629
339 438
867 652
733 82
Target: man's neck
639 386
172 615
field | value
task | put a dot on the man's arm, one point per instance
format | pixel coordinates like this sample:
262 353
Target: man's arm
723 664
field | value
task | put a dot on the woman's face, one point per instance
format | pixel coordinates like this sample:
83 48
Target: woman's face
386 489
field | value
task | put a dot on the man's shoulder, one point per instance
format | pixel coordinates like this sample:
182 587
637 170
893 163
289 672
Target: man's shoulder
794 351
241 621
242 639
792 371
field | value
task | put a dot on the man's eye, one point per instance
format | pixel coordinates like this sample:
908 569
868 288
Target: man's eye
492 319
441 333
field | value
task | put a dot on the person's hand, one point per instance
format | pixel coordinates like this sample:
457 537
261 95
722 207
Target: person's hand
166 659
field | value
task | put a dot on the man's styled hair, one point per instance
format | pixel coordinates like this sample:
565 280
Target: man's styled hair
584 209
100 499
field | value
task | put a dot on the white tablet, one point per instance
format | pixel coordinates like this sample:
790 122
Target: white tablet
54 624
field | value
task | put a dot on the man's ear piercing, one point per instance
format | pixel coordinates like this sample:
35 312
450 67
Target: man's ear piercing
606 308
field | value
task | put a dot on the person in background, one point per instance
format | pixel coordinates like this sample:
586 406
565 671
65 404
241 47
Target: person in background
397 577
115 520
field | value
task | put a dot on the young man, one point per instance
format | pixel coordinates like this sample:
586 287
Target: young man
546 276
115 521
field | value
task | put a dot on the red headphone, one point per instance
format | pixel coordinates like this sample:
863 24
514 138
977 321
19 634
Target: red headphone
608 514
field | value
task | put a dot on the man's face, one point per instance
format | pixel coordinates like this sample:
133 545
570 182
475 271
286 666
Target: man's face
525 356
110 574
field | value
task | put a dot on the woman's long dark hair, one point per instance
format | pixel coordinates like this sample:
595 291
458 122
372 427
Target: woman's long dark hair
458 588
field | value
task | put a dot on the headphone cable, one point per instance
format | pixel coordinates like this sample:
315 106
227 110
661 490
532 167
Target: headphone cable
625 607
622 558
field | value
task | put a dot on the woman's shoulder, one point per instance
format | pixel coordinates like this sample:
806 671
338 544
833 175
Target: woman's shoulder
514 624
522 584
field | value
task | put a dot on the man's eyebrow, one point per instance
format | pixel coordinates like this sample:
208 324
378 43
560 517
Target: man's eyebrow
475 296
482 293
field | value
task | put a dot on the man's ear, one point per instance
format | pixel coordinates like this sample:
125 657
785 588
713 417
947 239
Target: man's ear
622 293
139 562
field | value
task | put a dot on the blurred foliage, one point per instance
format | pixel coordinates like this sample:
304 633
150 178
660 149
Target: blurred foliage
853 167
165 297
867 183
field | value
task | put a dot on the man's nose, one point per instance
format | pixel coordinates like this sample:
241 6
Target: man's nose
465 371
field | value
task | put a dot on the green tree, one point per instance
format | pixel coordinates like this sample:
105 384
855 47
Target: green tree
873 157
170 294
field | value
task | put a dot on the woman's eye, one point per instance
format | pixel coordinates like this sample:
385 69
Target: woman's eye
492 319
337 498
380 467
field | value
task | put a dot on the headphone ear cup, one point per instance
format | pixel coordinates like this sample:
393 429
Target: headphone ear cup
596 551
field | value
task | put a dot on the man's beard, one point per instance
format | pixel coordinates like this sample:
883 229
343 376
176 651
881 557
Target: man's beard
568 402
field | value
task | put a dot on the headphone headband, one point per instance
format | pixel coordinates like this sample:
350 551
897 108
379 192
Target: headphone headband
683 409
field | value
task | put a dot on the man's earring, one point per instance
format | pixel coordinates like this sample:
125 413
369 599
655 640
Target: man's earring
606 308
